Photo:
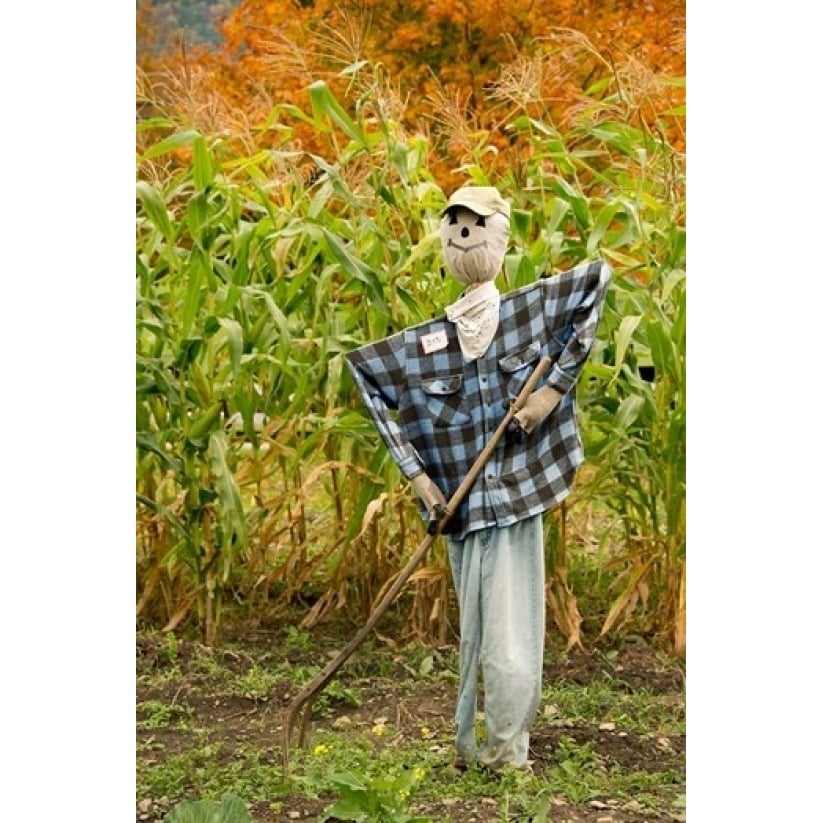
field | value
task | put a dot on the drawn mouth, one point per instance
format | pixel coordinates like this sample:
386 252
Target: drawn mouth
465 249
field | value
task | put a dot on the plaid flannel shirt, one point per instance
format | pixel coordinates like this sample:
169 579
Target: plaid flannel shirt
435 411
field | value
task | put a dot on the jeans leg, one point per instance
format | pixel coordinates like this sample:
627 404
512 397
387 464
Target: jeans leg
464 559
512 636
499 578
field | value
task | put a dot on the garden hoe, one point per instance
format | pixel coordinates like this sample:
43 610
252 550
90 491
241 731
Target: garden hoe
311 690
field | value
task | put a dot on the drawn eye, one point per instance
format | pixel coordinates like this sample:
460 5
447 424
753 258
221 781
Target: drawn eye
453 218
481 221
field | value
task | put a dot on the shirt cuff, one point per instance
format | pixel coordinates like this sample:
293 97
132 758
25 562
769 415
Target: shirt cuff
560 380
410 468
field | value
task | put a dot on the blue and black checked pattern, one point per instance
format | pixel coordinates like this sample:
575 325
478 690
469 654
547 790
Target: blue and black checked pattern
435 412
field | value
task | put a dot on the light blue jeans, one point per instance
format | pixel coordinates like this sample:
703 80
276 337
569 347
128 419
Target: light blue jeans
499 576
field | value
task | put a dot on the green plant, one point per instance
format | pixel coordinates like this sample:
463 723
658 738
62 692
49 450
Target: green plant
170 650
383 799
405 723
257 682
229 809
578 771
297 639
156 714
260 478
635 439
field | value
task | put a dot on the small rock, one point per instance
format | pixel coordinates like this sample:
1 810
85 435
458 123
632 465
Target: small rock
342 722
144 806
293 815
607 818
607 727
598 804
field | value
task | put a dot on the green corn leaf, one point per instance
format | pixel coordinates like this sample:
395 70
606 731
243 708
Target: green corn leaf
148 442
662 349
601 225
325 104
228 492
155 207
559 210
203 167
623 337
191 305
197 212
578 203
277 315
521 222
202 425
628 412
170 143
188 349
234 341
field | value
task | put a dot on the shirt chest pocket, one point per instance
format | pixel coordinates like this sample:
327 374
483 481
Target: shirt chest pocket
445 401
517 367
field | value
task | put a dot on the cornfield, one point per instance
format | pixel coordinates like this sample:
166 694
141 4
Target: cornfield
261 482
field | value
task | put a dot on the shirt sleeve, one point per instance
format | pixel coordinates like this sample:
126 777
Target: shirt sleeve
380 376
573 304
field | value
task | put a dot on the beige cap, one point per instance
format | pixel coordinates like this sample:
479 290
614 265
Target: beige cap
483 200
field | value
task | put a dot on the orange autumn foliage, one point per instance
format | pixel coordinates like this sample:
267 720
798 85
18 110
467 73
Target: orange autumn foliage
451 69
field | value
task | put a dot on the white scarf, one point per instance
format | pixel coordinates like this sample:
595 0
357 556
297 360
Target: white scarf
476 315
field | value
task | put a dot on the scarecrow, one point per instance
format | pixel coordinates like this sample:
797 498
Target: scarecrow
435 392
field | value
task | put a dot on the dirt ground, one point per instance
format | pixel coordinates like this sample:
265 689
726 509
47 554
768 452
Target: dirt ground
257 722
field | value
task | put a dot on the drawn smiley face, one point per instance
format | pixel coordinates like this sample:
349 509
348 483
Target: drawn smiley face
473 244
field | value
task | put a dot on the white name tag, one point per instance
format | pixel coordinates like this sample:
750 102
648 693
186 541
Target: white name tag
434 342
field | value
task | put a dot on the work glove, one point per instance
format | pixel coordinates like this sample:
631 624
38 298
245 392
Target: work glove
536 409
432 498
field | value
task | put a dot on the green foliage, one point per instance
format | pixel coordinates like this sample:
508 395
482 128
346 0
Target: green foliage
609 701
157 715
377 799
366 761
259 473
229 810
636 441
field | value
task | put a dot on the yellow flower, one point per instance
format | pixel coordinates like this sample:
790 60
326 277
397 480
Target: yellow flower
419 773
379 730
320 749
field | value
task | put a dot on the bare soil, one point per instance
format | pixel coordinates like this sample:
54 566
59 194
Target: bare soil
255 721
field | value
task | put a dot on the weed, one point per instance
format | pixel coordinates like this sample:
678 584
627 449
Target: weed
229 810
384 765
600 701
258 683
157 715
298 640
378 799
334 695
171 650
